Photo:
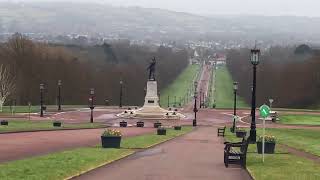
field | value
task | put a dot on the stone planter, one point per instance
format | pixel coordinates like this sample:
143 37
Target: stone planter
177 128
56 124
241 134
140 124
4 123
157 125
161 131
123 124
110 141
268 147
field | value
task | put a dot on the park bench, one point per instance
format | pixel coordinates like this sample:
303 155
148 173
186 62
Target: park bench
274 116
221 131
236 153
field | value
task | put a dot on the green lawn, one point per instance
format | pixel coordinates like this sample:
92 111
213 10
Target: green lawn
278 166
179 87
25 125
224 90
60 165
146 141
297 119
305 140
36 108
65 164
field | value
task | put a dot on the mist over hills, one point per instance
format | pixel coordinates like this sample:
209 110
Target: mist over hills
145 23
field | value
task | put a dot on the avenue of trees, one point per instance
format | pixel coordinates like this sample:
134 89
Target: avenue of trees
27 64
288 75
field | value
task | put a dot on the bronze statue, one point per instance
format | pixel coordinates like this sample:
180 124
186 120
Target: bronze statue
152 69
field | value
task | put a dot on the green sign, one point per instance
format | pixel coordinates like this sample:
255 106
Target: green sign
264 111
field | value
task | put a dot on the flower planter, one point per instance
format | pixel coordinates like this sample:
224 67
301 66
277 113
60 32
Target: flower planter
241 134
177 128
140 124
161 131
110 141
123 124
268 147
56 124
4 123
157 125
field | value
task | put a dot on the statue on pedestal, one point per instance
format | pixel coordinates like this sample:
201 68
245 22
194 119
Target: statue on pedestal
152 70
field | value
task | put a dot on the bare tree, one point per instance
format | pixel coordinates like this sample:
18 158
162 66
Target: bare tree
7 85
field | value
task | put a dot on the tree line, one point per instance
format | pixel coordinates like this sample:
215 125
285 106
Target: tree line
285 74
81 68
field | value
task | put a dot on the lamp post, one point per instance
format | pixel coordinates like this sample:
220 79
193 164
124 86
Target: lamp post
200 95
91 104
235 88
59 95
168 101
120 98
255 54
195 110
175 101
41 99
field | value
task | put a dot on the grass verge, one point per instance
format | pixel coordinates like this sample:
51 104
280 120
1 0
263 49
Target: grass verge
178 89
70 163
60 165
147 141
224 90
298 119
25 125
281 165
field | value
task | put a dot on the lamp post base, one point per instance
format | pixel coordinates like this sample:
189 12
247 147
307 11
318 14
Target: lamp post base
194 123
252 137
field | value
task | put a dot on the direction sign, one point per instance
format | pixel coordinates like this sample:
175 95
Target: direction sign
264 111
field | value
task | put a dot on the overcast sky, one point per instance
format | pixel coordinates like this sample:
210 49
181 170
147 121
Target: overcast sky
232 7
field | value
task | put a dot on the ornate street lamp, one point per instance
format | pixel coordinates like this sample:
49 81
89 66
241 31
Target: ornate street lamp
255 55
91 104
59 95
195 110
200 96
235 88
41 99
120 98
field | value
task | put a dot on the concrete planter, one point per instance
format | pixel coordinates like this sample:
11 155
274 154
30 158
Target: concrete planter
57 124
268 147
161 131
110 141
241 134
4 123
140 124
123 124
157 125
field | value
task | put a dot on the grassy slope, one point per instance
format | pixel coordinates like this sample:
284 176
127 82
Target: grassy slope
180 86
300 119
224 90
280 165
25 125
73 162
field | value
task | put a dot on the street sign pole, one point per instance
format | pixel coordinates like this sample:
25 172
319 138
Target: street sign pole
264 113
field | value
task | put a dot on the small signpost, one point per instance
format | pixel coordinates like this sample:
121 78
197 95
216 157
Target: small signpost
264 113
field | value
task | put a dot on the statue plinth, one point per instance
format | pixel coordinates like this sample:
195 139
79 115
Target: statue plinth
151 108
151 99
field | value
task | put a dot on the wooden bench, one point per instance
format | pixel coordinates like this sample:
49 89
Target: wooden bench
236 153
221 131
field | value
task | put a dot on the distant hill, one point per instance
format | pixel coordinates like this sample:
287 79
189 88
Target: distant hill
143 23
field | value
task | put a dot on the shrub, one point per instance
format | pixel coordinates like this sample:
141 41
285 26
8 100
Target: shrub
111 132
267 139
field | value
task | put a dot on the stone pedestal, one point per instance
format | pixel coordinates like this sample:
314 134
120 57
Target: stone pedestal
151 99
151 108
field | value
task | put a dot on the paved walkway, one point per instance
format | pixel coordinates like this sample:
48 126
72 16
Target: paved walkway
22 145
197 155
